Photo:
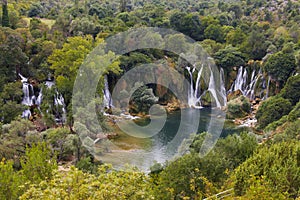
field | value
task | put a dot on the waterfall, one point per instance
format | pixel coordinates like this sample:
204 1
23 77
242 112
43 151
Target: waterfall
107 101
249 87
268 88
49 84
212 89
194 93
39 98
29 99
240 80
59 101
28 94
222 86
26 114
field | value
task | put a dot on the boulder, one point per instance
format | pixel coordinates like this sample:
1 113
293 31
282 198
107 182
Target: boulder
238 107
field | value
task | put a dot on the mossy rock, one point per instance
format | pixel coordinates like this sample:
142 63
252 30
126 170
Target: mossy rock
206 100
238 107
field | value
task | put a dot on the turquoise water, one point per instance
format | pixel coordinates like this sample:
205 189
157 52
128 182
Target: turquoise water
205 117
164 144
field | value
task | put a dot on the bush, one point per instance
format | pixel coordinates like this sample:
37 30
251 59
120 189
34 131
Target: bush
291 132
10 181
37 164
238 107
142 99
175 180
108 184
295 113
291 117
291 90
87 165
277 165
272 110
280 66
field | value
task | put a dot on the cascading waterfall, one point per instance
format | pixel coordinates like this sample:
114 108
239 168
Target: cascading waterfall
194 94
241 80
28 93
268 88
59 101
29 99
249 87
222 86
107 101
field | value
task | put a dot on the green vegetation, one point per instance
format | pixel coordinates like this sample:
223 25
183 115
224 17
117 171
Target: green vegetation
279 168
47 40
281 108
238 107
272 109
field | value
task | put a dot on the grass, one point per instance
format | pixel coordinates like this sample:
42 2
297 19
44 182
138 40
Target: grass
48 22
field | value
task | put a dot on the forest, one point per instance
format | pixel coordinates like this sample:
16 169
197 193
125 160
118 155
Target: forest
70 67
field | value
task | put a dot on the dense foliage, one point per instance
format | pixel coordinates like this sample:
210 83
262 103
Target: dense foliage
48 40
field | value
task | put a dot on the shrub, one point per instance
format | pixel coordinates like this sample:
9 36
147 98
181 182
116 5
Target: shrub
291 90
238 107
277 165
272 110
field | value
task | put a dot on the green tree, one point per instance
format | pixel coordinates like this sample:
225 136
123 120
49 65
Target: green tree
38 164
84 26
10 181
63 142
12 57
211 46
5 17
188 24
10 102
291 90
14 139
229 57
191 176
108 184
10 110
14 18
237 9
142 99
214 32
12 92
66 61
280 66
236 37
255 45
277 165
272 109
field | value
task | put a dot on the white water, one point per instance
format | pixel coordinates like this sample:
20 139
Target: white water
194 100
26 114
222 86
249 87
194 94
107 101
212 89
59 101
268 88
29 99
49 84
